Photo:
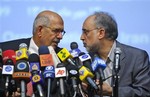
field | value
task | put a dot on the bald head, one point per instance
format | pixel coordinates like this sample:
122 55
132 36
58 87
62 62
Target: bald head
44 18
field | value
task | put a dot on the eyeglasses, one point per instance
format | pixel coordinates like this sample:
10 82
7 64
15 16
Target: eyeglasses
85 31
56 31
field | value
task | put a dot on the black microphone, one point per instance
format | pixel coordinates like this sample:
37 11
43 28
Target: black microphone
37 80
73 75
60 74
22 75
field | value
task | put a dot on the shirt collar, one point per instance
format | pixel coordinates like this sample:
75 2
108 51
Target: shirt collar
111 52
33 48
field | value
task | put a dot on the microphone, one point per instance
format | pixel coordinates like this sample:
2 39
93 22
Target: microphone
54 56
64 55
34 63
86 76
9 55
36 77
8 67
74 49
60 74
73 75
99 65
116 70
45 57
49 75
22 53
49 72
85 59
21 74
117 59
75 52
37 83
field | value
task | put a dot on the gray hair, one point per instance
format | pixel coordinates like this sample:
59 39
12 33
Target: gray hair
40 21
105 20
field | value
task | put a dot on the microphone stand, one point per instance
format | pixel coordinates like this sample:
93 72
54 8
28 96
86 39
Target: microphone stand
115 84
116 71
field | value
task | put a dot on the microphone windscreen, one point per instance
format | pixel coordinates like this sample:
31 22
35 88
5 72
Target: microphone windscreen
72 70
23 45
33 58
43 50
73 45
9 54
21 66
34 62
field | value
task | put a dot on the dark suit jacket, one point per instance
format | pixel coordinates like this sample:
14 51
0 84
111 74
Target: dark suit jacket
14 45
134 72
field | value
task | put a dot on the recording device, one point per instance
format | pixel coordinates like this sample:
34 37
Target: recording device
60 74
64 55
75 52
45 57
8 66
36 78
98 65
22 75
54 56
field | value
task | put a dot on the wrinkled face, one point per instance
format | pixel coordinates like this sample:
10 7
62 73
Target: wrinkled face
89 35
52 34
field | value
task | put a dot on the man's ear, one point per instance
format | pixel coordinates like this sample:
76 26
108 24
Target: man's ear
101 33
39 31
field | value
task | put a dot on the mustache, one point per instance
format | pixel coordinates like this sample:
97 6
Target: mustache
57 40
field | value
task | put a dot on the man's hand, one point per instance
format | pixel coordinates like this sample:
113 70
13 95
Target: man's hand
107 89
